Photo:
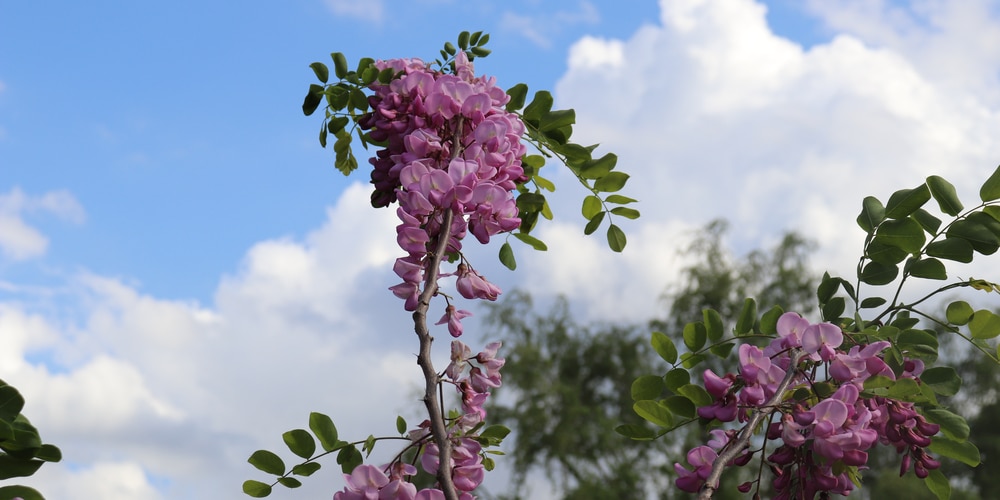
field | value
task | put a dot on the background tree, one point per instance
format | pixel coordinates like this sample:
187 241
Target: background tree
563 382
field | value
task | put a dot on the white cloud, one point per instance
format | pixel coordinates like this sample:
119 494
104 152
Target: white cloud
172 389
364 10
18 240
716 116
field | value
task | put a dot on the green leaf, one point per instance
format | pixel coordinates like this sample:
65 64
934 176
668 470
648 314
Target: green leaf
48 453
598 167
654 412
827 288
306 469
944 193
695 336
268 462
903 389
543 183
400 424
256 489
747 318
938 484
322 426
991 188
952 425
680 405
628 213
696 393
18 491
479 52
11 403
349 457
984 324
722 350
495 433
872 214
872 302
647 387
289 482
611 182
957 249
690 360
664 347
834 308
876 273
905 201
636 432
339 65
300 442
904 233
713 324
928 268
507 256
676 378
463 40
591 207
322 73
616 238
878 251
535 243
959 312
620 200
594 223
517 95
557 119
982 239
927 221
539 106
918 344
769 321
313 99
964 451
942 379
450 48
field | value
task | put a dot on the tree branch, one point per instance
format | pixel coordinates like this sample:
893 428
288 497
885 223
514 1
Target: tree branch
742 441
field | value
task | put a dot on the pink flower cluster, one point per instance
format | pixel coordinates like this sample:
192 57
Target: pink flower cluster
818 436
473 381
449 145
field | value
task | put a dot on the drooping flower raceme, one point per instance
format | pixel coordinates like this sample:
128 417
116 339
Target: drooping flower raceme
450 145
822 438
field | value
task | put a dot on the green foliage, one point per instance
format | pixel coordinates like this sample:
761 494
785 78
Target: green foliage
22 451
567 384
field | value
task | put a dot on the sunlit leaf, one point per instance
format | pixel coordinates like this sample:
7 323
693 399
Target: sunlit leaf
616 238
959 312
984 324
647 387
300 442
611 182
322 426
654 412
963 451
664 347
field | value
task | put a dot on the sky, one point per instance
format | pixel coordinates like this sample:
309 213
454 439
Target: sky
184 275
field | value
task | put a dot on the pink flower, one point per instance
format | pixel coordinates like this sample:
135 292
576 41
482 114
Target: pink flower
453 317
822 339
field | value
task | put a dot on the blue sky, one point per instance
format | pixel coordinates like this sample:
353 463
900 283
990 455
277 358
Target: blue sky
169 224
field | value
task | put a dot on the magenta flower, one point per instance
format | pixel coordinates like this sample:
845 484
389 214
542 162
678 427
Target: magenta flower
822 339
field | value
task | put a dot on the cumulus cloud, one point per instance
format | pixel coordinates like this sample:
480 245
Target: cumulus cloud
157 388
716 116
18 239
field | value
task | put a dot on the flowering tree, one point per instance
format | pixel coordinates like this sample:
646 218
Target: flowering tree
452 154
809 400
